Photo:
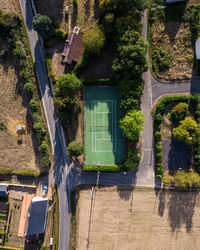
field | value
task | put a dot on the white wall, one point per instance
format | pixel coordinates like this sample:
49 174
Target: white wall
197 48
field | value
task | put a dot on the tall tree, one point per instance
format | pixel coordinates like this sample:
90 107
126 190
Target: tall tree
43 25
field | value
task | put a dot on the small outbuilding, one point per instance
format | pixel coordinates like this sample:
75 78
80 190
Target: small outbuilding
197 48
3 189
36 215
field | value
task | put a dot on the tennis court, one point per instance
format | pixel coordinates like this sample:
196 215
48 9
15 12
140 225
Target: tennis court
104 142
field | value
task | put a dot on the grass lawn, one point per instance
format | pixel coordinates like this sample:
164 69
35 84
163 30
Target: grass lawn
172 42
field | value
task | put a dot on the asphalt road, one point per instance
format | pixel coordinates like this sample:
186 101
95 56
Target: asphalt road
67 175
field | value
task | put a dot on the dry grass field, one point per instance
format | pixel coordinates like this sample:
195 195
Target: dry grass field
123 218
16 152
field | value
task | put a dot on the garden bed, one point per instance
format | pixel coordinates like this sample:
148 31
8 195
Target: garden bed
177 146
172 38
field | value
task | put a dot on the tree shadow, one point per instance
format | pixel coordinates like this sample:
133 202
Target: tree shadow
176 155
96 9
162 202
181 209
74 15
173 18
87 10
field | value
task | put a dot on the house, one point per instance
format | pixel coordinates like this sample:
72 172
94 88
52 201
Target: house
3 189
72 53
36 215
197 48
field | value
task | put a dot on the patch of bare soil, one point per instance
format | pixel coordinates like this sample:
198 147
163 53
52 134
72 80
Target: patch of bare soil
10 6
17 152
126 218
101 66
174 37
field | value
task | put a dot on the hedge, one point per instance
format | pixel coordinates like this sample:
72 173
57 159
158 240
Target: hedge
102 168
157 120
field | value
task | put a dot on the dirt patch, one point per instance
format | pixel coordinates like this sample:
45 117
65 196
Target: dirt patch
123 218
10 6
175 38
16 152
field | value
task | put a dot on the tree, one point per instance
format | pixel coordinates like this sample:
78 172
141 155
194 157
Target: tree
43 25
132 124
93 40
75 148
185 131
66 85
130 61
179 111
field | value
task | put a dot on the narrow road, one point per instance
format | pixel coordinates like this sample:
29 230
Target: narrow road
61 163
67 176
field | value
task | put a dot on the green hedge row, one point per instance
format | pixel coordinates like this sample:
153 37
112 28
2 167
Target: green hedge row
157 120
13 29
102 168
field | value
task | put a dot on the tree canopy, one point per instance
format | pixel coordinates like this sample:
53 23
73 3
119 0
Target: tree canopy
132 124
43 25
93 40
130 61
75 148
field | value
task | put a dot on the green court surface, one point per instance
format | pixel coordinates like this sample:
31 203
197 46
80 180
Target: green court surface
104 141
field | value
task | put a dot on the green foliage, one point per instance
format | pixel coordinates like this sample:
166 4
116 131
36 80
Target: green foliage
43 25
27 172
130 92
2 126
75 148
189 124
179 111
157 136
132 124
67 85
43 148
64 100
75 2
102 168
132 160
93 40
130 61
160 60
184 179
60 34
35 106
28 87
19 50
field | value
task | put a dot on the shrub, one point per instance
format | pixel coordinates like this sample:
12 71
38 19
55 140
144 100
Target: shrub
157 121
184 179
161 60
43 25
75 148
60 34
75 2
35 106
157 136
2 126
179 111
19 50
132 160
181 134
45 161
43 148
132 124
93 40
28 87
36 117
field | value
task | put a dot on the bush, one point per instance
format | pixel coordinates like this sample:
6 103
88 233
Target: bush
43 148
102 168
161 60
157 121
35 106
2 126
184 179
132 160
75 148
60 34
75 2
19 50
179 111
28 87
45 161
157 136
93 40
